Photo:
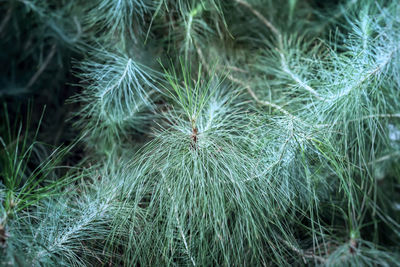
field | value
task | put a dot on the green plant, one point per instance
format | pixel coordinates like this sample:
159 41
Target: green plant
245 132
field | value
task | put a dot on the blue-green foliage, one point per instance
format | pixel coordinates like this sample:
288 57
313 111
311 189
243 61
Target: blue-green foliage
234 133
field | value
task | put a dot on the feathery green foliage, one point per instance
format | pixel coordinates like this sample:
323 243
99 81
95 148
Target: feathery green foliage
117 99
233 133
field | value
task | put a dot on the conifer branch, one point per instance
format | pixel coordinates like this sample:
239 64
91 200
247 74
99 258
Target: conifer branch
255 97
247 87
369 74
278 36
296 78
119 82
266 22
302 253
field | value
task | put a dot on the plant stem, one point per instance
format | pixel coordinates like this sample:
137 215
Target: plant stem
5 20
42 67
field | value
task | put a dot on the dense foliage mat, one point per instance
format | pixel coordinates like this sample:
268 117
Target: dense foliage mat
199 133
